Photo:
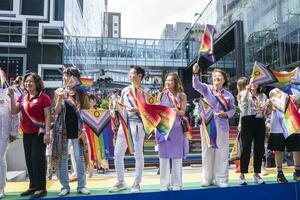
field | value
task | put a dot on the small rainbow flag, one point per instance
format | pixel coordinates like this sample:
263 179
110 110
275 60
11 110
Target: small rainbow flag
290 119
261 75
208 124
86 84
207 43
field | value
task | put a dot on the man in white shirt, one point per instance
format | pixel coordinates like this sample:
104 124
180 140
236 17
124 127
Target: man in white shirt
136 75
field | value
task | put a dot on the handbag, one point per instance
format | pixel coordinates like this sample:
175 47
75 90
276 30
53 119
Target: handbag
235 153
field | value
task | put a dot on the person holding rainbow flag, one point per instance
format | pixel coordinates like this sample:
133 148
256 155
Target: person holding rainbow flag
215 136
176 146
129 100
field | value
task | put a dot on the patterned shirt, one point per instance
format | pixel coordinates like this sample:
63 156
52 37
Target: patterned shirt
251 105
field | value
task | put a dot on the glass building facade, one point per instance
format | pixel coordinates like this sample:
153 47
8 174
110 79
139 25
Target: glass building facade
270 34
32 34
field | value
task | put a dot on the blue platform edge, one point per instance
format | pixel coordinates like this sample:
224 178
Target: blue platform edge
289 191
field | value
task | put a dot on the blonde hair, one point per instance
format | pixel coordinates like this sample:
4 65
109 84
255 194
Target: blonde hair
177 83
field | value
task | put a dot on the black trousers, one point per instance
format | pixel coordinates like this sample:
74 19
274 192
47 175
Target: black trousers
253 129
35 158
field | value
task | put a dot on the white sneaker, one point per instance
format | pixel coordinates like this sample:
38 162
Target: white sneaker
176 188
84 191
257 179
136 188
119 186
164 189
205 184
1 193
64 192
222 185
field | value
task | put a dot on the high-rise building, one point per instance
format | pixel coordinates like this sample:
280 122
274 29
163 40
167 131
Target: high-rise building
112 21
175 32
32 34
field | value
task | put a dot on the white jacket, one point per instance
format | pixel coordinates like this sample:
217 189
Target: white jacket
9 123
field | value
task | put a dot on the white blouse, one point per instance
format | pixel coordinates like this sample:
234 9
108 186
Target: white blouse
251 105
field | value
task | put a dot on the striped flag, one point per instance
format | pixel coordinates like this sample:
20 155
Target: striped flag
207 43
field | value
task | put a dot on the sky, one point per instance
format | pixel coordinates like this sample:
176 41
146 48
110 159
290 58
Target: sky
147 18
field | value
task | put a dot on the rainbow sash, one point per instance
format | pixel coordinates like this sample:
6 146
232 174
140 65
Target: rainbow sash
37 122
124 122
175 104
208 124
71 101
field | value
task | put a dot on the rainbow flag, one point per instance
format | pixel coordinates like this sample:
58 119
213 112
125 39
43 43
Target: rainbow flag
153 116
282 79
280 99
206 47
208 124
261 75
290 119
96 119
100 146
86 84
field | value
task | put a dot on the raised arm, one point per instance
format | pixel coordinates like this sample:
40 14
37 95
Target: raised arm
14 106
200 87
59 94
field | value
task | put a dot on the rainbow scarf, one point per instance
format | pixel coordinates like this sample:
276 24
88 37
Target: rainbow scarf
71 101
206 47
96 119
37 122
209 124
287 113
175 104
123 118
153 117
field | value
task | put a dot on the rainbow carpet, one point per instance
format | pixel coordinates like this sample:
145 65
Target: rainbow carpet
150 187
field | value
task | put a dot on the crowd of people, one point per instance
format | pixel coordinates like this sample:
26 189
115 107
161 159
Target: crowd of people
32 111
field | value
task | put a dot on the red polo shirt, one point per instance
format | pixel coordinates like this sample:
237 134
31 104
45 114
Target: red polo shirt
35 109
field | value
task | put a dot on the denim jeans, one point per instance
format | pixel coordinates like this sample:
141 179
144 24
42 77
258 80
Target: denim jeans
79 159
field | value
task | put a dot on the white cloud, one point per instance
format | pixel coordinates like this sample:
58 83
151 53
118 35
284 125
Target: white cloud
147 18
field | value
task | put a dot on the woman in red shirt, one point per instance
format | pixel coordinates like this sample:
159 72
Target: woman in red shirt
35 125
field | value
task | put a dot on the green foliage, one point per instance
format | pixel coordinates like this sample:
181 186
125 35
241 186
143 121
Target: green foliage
104 104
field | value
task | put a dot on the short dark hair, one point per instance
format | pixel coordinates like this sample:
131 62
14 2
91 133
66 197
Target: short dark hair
138 70
226 81
39 84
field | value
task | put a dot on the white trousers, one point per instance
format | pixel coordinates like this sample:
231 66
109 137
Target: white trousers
176 179
138 134
215 161
3 164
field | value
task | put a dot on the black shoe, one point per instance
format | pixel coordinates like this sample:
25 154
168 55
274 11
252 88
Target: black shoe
38 194
281 178
296 176
27 192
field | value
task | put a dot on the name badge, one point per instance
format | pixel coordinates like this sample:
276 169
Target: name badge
34 101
